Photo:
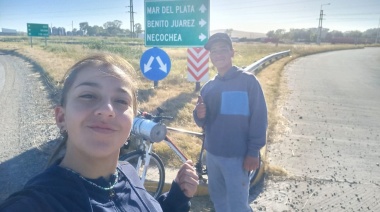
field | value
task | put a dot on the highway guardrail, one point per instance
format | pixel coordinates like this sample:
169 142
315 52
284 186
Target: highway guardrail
258 65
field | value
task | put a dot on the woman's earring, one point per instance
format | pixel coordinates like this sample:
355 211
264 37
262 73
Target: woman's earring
63 132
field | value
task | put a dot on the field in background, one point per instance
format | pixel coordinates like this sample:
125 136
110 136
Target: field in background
174 94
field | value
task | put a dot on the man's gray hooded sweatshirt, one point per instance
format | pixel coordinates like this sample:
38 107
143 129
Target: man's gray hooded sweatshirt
236 115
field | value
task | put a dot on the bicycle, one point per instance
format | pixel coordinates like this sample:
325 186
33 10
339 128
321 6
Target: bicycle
149 129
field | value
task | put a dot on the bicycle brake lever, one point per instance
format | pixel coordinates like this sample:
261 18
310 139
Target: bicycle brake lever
147 115
159 110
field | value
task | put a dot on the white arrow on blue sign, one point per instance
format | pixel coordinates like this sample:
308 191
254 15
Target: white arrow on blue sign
155 64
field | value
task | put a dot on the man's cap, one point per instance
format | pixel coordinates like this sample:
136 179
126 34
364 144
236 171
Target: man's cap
218 37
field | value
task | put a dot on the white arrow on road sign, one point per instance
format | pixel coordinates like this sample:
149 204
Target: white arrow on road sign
202 37
202 22
147 67
203 8
162 65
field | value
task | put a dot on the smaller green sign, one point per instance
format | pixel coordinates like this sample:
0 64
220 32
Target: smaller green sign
38 30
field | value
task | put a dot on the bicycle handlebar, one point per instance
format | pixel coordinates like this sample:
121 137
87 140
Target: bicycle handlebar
155 118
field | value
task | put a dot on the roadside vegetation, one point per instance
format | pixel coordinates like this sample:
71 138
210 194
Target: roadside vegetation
174 94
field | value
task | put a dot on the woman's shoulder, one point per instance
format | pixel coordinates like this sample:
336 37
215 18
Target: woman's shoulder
21 200
130 173
47 191
52 178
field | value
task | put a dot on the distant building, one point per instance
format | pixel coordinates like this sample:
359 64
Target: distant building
5 31
234 39
60 31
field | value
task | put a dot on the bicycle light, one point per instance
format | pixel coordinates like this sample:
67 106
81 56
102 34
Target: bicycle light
148 129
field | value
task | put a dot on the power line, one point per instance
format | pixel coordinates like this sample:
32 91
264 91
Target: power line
378 31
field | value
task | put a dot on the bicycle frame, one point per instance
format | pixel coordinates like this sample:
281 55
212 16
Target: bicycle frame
146 147
147 158
175 149
145 153
198 165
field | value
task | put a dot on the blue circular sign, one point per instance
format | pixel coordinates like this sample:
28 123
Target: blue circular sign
155 64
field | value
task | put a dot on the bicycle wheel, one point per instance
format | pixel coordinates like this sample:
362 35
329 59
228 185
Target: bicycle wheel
155 174
254 175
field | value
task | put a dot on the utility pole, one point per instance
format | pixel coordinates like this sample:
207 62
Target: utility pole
320 24
378 32
132 19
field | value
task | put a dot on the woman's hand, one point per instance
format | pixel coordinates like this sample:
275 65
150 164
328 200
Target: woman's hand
187 179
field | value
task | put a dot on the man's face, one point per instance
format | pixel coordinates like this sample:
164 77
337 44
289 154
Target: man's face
221 56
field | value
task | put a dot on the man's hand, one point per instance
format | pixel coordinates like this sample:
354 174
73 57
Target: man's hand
251 163
187 179
200 108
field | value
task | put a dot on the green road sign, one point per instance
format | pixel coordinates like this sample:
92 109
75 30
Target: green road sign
181 23
38 30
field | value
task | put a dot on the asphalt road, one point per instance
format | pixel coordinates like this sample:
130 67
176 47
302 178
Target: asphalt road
27 123
330 143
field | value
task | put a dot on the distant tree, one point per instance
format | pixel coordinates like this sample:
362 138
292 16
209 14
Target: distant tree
299 35
324 34
270 34
279 35
356 35
333 35
276 36
313 36
91 31
370 35
95 30
229 31
117 23
138 29
113 27
83 27
127 32
336 34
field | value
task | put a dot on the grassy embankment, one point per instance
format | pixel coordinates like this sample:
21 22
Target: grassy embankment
174 94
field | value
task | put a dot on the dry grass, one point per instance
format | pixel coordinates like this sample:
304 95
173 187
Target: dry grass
174 94
274 170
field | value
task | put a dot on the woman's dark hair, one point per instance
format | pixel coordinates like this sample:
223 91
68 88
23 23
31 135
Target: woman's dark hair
105 60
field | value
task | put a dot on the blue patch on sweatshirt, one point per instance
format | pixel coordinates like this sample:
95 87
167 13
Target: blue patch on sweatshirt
235 103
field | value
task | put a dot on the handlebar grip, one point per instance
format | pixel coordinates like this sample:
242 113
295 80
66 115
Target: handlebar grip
157 118
166 117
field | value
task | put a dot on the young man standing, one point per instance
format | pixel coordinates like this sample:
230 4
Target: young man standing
232 110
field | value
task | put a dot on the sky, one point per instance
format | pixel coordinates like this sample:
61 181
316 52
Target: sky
244 15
